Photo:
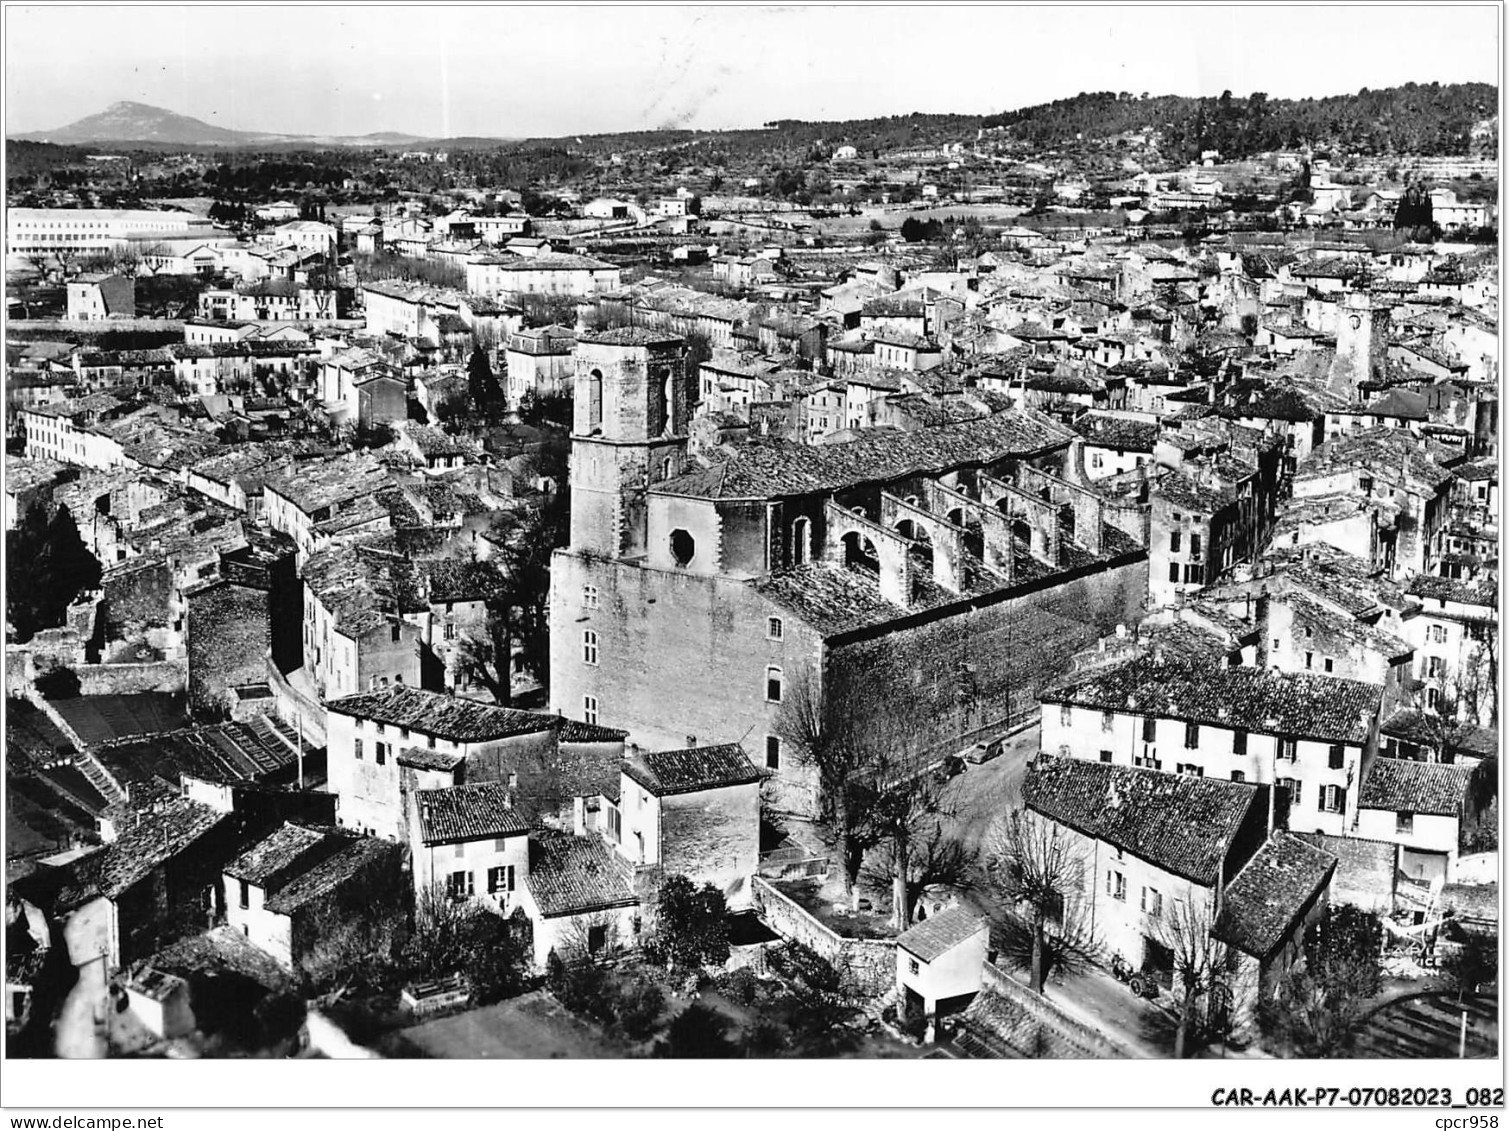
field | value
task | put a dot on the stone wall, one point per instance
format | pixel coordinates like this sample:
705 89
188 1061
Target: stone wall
871 962
940 681
1094 1042
130 679
713 836
681 660
1365 870
228 632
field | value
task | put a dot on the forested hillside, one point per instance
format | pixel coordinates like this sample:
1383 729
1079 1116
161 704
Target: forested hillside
1432 120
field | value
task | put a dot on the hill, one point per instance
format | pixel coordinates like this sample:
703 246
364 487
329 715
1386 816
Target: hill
137 124
1430 120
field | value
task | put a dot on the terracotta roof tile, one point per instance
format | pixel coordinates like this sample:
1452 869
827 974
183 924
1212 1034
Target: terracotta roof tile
1268 896
570 875
668 772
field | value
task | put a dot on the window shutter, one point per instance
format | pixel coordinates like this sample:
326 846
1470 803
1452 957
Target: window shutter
1320 797
1341 798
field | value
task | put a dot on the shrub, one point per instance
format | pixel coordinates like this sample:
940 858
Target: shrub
692 923
638 1007
59 683
763 1039
739 986
698 1033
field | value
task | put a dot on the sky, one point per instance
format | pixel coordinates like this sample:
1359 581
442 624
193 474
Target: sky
558 70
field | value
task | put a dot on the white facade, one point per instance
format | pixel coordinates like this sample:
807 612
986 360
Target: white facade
1322 777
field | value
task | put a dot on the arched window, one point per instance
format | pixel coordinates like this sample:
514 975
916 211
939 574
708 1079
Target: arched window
801 541
595 401
774 684
859 553
589 647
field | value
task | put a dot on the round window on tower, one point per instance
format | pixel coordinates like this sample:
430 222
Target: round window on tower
1356 321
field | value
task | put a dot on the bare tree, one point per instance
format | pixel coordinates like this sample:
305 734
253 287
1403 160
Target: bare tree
829 745
935 860
904 805
1039 869
1202 964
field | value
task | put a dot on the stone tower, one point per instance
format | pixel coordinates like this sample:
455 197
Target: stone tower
629 431
1361 344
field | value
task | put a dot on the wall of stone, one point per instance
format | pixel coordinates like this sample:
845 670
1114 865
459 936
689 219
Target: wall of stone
130 679
870 962
681 659
940 681
228 631
712 836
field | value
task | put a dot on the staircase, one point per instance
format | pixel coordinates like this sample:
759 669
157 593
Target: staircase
86 763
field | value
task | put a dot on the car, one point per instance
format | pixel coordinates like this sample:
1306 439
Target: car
951 767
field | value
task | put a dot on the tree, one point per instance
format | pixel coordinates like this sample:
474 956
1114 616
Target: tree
1039 870
828 741
698 1033
486 394
903 805
1473 964
1320 1000
461 936
691 924
59 568
1202 964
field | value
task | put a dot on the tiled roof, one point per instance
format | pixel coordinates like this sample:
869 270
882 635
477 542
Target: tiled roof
331 872
936 936
1290 704
148 839
273 854
1179 823
1449 589
765 468
687 771
1117 432
422 758
629 336
571 875
445 716
1400 785
1267 898
468 812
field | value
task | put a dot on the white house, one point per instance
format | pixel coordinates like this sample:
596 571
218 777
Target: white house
692 812
468 842
577 895
1418 806
1313 735
940 962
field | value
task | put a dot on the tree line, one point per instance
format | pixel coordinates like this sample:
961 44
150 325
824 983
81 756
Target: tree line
1431 120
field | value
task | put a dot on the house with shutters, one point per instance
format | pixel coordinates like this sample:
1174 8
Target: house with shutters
468 842
1158 851
1418 806
577 896
1312 736
383 745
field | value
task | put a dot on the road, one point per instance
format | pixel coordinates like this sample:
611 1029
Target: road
983 793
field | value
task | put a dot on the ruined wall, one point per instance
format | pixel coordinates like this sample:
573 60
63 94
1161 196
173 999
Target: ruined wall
131 679
228 631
